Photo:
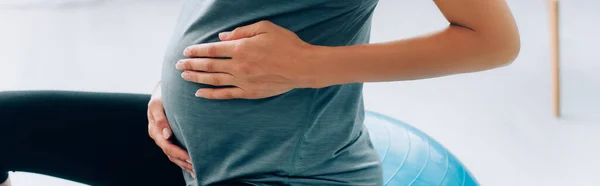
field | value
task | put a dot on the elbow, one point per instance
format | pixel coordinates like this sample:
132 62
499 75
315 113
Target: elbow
512 50
504 50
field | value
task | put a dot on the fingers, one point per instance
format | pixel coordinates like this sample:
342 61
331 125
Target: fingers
150 117
226 48
184 165
247 31
206 65
158 126
151 125
216 79
159 130
176 155
222 93
211 50
173 150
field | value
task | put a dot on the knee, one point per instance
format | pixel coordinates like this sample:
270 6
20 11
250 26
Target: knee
4 179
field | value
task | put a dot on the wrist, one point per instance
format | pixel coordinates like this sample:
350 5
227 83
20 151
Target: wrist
315 73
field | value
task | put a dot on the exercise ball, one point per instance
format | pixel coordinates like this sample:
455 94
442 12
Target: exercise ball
411 158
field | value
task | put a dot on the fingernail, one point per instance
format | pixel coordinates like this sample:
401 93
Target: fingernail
198 94
166 133
193 174
224 35
185 75
188 161
180 65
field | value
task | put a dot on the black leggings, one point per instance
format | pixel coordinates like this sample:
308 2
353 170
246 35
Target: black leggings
91 138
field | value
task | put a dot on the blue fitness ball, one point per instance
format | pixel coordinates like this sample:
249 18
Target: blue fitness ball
411 158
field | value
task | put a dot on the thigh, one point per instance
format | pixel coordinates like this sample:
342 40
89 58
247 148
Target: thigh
93 138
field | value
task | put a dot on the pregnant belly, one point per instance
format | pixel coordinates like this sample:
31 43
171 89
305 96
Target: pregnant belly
237 136
280 114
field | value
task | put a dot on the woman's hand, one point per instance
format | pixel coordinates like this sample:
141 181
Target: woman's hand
267 60
259 60
160 132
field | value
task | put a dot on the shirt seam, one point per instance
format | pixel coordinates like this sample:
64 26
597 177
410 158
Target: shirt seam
308 115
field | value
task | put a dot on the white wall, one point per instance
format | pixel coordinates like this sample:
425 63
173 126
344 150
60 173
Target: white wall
499 122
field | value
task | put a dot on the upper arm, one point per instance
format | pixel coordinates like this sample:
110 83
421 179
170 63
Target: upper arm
490 19
478 15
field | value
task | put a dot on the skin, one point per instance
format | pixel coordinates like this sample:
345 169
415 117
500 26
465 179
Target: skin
263 60
268 60
160 131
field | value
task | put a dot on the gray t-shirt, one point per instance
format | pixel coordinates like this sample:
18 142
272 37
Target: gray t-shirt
303 137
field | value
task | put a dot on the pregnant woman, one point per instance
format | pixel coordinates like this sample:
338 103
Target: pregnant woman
264 92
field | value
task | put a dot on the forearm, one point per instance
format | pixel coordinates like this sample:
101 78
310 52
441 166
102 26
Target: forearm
451 51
